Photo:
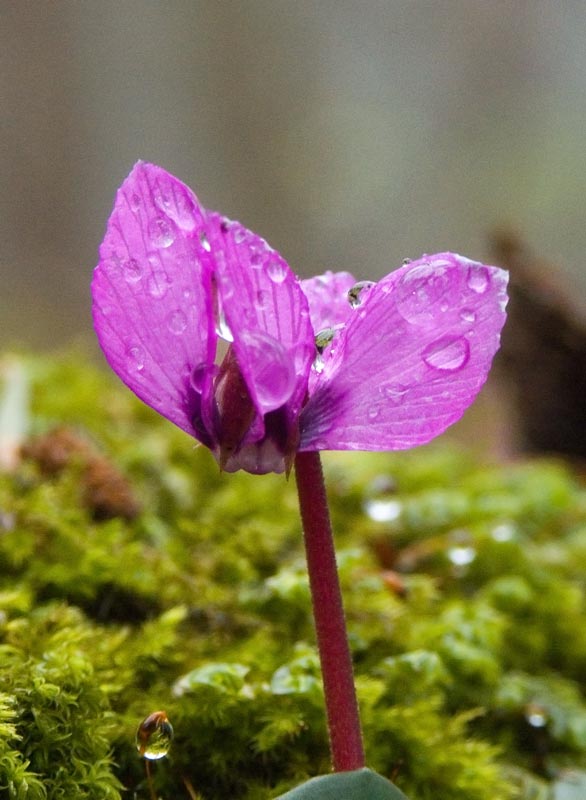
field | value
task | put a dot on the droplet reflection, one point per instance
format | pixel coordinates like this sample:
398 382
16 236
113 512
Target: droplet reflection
154 736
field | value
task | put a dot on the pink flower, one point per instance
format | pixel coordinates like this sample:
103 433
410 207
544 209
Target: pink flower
207 324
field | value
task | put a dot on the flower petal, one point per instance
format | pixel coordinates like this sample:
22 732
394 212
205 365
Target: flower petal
152 296
410 360
267 315
328 298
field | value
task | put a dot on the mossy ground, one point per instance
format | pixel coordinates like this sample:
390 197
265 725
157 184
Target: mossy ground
464 586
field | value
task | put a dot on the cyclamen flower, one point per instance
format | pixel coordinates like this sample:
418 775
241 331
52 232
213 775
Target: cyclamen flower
207 324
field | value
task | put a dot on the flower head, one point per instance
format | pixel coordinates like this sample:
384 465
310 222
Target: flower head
207 324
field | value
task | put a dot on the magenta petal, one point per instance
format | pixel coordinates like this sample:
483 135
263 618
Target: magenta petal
152 298
328 298
411 359
267 315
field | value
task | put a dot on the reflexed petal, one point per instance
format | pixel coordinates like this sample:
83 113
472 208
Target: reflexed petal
152 299
328 298
267 316
411 359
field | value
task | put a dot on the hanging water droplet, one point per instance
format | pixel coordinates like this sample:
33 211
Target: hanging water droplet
273 371
461 556
154 736
204 242
161 232
358 292
277 271
536 715
177 322
135 358
132 270
420 291
158 283
467 315
478 278
449 354
223 329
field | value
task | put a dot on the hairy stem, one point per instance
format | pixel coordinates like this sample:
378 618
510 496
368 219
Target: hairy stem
336 662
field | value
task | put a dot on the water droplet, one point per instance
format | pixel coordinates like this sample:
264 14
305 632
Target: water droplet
467 315
373 412
318 364
177 322
135 358
176 204
158 283
461 556
198 376
223 329
503 532
324 338
132 270
536 715
394 392
161 232
407 261
255 257
449 354
240 235
358 292
135 202
272 369
204 242
277 271
419 291
381 510
478 278
154 736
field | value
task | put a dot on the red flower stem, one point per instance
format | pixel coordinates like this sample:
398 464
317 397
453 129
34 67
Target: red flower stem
332 639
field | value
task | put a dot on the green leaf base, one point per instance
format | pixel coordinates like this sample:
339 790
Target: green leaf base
361 784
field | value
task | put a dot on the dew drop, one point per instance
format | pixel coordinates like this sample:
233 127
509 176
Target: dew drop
158 283
536 716
198 376
358 292
154 736
161 232
272 369
382 510
318 364
394 392
240 235
323 338
176 204
461 556
135 202
449 354
478 278
204 242
261 300
277 272
419 291
135 358
177 322
132 270
373 412
255 258
467 315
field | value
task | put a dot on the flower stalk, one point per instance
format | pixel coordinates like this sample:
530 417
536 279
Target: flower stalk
336 662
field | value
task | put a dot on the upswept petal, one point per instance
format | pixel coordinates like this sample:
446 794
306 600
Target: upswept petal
267 315
152 296
410 360
327 295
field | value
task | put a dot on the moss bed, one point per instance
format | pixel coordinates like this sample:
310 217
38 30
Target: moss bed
135 577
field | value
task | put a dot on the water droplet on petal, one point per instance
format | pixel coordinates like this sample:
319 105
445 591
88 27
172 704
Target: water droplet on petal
272 369
161 232
373 412
323 338
318 364
177 205
135 202
240 235
177 322
358 292
204 242
449 354
277 272
135 358
158 283
198 376
478 278
255 257
261 300
419 291
394 392
467 315
132 270
154 736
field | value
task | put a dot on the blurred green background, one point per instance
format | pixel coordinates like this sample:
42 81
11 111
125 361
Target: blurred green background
350 134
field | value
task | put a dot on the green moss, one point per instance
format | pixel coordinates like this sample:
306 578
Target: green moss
464 588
